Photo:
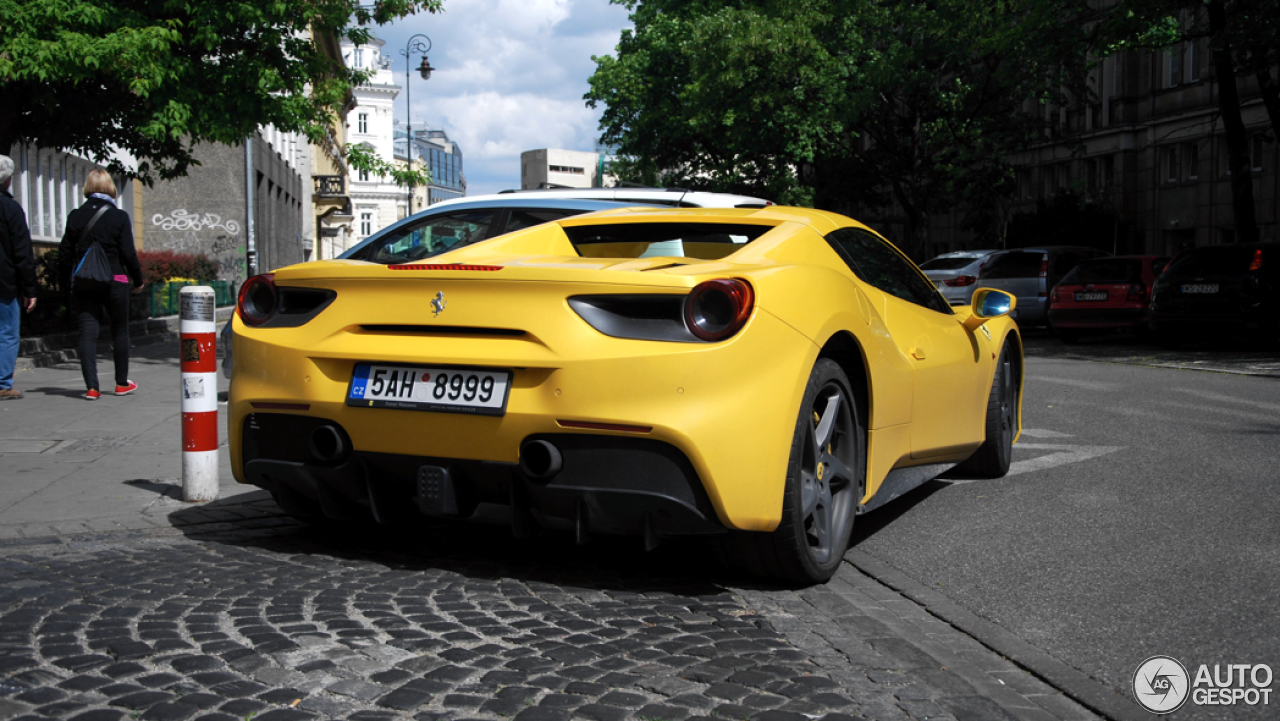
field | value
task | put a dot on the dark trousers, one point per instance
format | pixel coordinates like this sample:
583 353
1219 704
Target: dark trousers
94 309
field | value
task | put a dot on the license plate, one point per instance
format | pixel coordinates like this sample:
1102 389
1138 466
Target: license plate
1200 288
1091 295
429 388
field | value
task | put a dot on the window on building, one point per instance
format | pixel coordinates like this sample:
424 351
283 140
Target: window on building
364 175
1023 176
1171 170
1193 61
1092 167
1191 160
363 123
567 169
1108 165
1173 66
366 223
357 58
1257 151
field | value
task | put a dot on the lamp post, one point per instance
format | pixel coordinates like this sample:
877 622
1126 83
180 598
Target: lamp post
415 45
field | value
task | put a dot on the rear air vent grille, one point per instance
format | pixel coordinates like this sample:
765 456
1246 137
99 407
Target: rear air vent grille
442 330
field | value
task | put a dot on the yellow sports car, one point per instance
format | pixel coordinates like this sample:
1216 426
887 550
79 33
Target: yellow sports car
760 375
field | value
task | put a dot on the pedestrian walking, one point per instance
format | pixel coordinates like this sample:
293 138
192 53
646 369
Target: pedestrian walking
100 221
17 278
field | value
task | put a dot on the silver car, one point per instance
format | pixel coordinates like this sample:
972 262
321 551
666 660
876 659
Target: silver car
1030 273
956 274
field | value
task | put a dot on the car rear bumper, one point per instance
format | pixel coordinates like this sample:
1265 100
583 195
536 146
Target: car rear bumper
725 411
1097 317
607 484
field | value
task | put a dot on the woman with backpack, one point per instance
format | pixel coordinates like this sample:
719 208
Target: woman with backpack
100 301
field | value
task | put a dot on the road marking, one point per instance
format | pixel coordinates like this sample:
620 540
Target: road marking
1063 454
1090 385
1042 433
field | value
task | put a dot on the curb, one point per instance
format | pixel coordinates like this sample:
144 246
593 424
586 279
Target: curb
1078 686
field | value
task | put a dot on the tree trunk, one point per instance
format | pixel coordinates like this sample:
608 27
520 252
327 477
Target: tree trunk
1233 125
1270 94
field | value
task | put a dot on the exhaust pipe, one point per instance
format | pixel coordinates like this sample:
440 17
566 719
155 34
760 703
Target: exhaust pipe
327 445
540 460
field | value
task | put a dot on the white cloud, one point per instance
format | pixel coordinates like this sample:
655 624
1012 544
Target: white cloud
510 76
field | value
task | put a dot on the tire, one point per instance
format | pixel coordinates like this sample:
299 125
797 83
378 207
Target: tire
993 457
824 486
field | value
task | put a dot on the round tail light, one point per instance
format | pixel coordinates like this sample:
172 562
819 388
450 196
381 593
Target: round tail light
716 309
258 299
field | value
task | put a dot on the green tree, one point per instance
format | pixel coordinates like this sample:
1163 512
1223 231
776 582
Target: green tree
153 78
848 105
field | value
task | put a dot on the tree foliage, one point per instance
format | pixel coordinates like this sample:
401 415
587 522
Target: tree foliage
848 105
153 78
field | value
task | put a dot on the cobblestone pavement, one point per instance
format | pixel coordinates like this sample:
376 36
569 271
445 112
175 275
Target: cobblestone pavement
1220 356
265 619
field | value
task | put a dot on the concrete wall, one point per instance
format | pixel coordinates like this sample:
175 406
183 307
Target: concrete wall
207 211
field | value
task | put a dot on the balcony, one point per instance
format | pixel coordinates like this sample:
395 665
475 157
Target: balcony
330 186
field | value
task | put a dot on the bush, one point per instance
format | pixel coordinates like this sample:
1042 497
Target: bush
159 266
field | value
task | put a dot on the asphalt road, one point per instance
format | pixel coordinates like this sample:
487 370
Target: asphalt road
1140 518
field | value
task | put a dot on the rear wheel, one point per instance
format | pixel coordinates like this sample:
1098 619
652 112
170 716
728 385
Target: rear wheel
823 489
994 456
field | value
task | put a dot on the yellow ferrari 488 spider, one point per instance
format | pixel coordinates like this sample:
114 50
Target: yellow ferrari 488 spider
762 376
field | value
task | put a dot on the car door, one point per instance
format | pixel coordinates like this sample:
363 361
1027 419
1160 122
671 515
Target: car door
948 370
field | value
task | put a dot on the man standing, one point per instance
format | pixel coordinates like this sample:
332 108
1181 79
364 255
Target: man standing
17 277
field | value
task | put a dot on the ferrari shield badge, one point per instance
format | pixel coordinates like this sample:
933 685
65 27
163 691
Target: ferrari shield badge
438 304
985 330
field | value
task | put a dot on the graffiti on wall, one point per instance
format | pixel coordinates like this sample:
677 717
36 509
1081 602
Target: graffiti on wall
185 232
180 219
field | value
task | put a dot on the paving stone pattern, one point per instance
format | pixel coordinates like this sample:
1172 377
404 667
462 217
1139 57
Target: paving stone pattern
296 626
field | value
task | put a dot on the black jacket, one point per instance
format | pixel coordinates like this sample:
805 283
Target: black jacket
113 231
17 264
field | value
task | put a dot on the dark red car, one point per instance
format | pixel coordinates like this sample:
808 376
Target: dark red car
1104 294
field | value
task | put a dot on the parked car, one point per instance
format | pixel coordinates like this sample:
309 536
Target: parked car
602 374
1217 291
956 274
1104 294
1029 273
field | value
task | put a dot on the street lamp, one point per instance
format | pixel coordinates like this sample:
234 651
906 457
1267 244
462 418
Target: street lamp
415 45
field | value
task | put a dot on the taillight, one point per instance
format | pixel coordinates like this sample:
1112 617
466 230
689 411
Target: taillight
716 309
258 299
1044 267
961 281
1137 292
1256 263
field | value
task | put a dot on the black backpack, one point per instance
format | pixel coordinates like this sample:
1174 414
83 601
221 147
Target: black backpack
93 272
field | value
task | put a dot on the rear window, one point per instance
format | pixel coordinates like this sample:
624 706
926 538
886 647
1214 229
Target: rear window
1015 265
947 263
707 241
1105 271
1221 259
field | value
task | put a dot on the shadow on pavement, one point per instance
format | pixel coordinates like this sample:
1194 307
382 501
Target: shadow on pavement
685 567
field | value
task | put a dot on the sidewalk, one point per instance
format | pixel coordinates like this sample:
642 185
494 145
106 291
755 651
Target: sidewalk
73 466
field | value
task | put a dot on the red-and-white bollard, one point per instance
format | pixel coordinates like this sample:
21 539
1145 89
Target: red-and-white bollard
199 394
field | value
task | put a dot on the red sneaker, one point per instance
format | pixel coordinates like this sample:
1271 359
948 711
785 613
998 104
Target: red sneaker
126 390
92 394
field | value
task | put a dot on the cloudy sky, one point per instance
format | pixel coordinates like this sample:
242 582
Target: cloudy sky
509 77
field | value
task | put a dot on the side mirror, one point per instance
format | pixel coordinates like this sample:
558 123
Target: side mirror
989 303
